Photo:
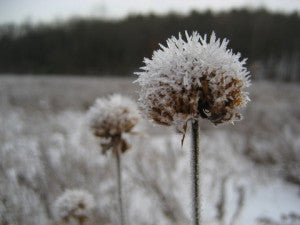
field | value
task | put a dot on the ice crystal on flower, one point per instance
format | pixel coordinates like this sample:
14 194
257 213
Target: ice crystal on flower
110 117
73 205
193 78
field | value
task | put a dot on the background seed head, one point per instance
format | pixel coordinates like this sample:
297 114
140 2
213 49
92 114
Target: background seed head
113 116
73 204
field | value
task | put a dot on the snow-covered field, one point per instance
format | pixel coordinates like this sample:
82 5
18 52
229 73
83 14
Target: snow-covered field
250 171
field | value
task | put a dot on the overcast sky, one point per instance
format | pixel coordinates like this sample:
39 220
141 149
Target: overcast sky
48 10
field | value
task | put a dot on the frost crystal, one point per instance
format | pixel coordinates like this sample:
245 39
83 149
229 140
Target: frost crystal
73 204
110 117
193 78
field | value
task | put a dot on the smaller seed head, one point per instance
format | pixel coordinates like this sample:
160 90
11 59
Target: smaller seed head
73 204
111 117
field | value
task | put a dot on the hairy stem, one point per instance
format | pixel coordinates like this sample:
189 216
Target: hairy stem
195 162
119 182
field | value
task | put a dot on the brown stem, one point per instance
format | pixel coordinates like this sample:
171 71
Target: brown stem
81 220
195 163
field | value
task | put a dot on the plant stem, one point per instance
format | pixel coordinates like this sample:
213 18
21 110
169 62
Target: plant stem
119 181
195 162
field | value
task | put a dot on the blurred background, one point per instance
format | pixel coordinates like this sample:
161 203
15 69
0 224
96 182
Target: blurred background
112 37
58 56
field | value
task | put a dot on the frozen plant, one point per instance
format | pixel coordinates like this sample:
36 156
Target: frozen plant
73 205
110 118
192 79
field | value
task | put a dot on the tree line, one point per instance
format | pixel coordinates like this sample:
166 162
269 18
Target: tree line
270 41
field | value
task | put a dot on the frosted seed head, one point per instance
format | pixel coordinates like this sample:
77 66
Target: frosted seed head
73 205
110 117
113 116
192 79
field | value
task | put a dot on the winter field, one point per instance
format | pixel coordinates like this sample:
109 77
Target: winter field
250 171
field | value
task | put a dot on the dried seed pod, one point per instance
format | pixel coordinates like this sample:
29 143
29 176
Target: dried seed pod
193 78
111 117
73 205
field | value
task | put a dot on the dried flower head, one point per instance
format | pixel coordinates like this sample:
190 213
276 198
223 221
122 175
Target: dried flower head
192 79
73 205
110 117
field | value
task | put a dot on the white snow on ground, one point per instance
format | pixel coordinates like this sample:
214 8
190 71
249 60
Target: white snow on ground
271 200
250 171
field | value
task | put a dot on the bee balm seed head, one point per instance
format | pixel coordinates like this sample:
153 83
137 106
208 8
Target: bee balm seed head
193 78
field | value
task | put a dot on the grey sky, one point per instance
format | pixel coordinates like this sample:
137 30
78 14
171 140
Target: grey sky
49 10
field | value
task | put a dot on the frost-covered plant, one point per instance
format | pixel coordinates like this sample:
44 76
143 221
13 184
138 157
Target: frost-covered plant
73 205
192 79
110 118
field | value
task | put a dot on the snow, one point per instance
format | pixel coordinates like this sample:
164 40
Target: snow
271 200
